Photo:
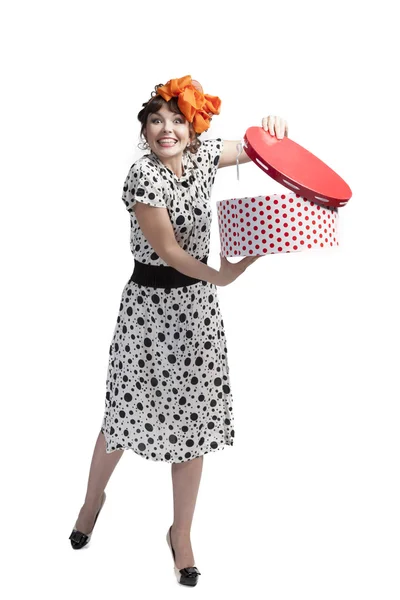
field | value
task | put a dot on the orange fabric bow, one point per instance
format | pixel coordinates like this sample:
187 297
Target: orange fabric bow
196 106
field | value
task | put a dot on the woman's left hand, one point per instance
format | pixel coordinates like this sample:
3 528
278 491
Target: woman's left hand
275 125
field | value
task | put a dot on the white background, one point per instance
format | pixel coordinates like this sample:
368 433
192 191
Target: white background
306 502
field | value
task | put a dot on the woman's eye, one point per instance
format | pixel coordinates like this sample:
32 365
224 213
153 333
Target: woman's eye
178 119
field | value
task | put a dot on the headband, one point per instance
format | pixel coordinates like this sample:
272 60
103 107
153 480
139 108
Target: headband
197 107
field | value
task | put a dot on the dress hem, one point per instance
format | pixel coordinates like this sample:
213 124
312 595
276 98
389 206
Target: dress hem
219 447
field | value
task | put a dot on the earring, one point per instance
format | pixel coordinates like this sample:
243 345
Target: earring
143 145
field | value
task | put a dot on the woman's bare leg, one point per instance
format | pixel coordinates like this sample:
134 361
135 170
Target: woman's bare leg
101 469
186 481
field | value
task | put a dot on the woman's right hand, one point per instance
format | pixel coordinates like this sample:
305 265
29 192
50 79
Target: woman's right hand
228 271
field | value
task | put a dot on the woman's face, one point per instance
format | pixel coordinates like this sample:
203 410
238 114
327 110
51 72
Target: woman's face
166 124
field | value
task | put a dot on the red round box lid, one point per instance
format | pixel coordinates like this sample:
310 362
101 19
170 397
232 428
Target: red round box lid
296 168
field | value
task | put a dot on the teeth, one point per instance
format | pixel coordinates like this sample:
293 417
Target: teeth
167 142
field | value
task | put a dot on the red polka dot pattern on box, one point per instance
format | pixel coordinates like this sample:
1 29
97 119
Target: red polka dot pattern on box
275 224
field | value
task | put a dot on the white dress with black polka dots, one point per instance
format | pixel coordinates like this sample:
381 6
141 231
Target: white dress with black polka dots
168 394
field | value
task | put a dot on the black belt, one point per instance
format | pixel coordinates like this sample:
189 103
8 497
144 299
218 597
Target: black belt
161 276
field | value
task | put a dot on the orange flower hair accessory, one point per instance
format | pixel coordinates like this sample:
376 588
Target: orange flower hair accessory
197 107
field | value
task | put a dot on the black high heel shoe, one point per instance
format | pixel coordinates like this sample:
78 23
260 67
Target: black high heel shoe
188 575
79 539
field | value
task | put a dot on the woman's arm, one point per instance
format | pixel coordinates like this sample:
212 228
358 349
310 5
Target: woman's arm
229 153
273 124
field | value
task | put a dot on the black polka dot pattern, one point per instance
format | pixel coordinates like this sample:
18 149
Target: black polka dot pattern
168 393
186 198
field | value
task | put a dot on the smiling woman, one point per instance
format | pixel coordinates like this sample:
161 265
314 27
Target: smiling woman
153 118
168 136
166 140
168 391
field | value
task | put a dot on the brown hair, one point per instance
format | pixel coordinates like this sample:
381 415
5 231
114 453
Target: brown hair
154 104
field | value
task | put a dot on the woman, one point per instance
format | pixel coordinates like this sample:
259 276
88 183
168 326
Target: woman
168 391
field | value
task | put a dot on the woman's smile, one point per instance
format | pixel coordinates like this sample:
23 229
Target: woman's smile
167 142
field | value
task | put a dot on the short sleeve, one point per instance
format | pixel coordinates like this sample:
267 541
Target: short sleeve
209 154
143 184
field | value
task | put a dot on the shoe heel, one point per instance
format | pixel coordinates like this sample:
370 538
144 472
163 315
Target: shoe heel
169 542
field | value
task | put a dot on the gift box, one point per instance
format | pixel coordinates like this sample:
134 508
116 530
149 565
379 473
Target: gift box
275 224
304 218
